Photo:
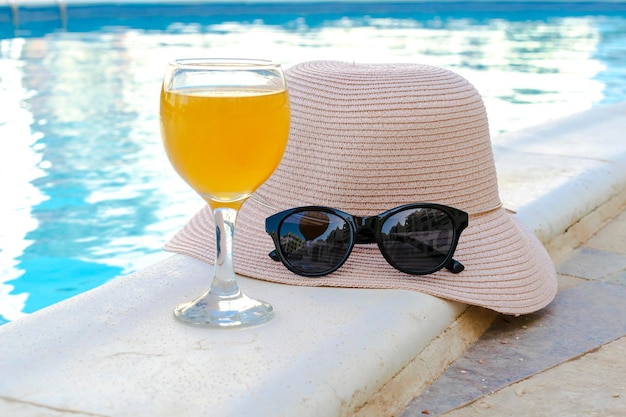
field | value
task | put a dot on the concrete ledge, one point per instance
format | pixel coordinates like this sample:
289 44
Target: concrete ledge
117 350
565 173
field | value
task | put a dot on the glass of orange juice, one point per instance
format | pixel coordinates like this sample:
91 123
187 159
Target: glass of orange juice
224 124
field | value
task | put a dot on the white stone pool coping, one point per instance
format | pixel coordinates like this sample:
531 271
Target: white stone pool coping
118 351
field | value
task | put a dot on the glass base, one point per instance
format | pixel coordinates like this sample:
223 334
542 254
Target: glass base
219 311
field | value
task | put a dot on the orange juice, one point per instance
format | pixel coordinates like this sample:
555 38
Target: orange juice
224 143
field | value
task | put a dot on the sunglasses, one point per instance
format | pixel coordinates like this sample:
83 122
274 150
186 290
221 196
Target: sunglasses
416 239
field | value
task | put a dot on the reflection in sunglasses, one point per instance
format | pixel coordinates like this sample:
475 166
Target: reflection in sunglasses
417 238
321 240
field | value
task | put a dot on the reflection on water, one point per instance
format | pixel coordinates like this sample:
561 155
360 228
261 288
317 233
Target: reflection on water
88 193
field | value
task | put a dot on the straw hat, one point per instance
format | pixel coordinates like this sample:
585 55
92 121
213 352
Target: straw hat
369 137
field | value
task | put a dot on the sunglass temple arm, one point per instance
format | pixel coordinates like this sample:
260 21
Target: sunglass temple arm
454 266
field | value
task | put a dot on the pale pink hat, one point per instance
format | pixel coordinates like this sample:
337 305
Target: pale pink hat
369 137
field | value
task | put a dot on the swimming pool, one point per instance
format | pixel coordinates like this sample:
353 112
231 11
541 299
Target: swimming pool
87 193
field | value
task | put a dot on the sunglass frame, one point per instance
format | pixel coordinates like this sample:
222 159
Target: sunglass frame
459 218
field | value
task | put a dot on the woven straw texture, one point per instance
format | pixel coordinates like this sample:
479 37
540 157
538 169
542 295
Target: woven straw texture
365 138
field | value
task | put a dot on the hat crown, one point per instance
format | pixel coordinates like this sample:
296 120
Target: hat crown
367 137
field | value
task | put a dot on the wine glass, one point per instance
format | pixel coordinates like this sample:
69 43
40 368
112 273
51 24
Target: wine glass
224 124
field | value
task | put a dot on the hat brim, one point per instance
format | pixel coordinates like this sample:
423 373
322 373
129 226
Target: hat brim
506 267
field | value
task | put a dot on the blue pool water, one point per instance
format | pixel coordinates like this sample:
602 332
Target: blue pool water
87 193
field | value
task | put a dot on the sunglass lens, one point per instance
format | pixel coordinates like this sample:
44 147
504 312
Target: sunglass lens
314 242
418 240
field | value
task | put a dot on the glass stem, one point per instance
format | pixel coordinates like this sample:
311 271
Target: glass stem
224 283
